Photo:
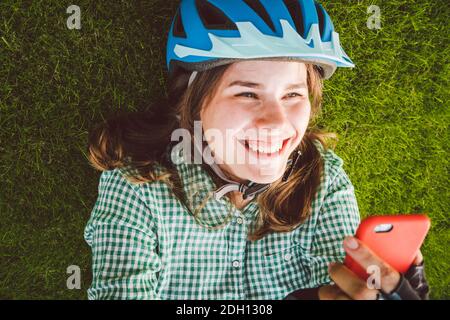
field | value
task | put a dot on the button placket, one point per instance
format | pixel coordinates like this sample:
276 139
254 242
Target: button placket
287 260
250 210
237 252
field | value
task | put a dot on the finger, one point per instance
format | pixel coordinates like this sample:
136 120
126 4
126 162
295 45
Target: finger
350 283
328 292
367 258
419 258
332 292
343 296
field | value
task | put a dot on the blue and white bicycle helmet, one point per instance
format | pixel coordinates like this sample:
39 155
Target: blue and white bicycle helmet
208 33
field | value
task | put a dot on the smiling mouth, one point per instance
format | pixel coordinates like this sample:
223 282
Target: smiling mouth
264 153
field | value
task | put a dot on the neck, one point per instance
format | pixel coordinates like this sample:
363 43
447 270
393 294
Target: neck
237 200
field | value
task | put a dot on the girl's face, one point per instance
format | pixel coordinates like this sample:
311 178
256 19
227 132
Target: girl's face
257 117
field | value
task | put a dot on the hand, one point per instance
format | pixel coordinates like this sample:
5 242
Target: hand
349 286
417 278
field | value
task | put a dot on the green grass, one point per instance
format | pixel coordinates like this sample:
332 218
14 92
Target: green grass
391 114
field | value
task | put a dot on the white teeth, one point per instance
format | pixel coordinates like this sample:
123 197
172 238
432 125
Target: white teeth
265 149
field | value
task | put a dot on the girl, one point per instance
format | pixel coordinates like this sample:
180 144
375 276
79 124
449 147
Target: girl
227 190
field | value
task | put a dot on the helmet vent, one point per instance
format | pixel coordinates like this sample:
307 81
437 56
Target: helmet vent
257 6
296 13
178 28
212 17
321 18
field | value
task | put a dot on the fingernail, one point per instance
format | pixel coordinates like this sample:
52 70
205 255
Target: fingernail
351 243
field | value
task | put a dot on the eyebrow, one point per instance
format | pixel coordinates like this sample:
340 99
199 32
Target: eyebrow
257 85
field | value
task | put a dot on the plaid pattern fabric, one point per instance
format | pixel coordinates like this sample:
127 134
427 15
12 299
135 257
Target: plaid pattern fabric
146 245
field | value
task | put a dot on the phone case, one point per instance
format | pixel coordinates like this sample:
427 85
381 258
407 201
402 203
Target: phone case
398 247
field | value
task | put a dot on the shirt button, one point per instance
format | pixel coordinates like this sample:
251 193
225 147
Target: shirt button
236 264
239 220
287 256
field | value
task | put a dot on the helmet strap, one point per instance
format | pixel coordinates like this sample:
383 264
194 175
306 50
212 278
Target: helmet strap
192 77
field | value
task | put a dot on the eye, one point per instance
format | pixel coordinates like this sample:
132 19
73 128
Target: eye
294 94
247 95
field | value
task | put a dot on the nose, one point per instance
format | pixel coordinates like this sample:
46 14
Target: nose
273 115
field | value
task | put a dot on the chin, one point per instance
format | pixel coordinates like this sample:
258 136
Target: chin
266 179
268 175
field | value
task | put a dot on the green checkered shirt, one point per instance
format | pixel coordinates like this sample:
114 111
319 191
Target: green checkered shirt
146 245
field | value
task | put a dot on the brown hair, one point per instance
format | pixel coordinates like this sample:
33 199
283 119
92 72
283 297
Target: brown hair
139 141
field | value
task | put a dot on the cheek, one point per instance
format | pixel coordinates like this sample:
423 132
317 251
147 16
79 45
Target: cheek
299 117
222 117
220 125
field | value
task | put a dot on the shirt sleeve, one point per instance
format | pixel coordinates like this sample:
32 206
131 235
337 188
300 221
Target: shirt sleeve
338 218
122 236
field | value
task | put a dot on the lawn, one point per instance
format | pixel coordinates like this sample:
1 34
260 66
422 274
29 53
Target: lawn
391 114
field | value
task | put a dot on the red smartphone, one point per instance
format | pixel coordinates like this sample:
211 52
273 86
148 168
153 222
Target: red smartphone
395 239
